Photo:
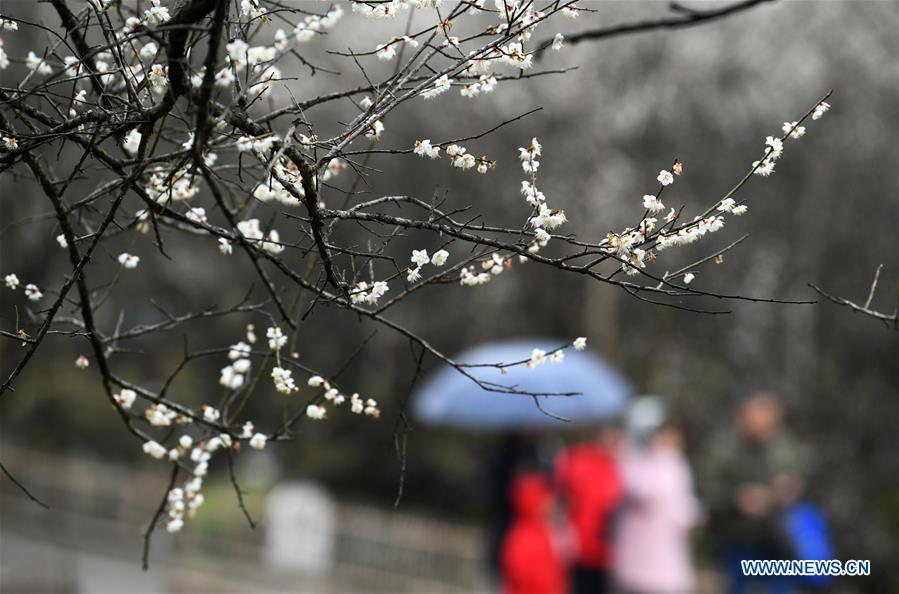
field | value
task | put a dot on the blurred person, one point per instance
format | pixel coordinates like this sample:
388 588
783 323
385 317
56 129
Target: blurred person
590 486
516 452
530 559
751 476
652 538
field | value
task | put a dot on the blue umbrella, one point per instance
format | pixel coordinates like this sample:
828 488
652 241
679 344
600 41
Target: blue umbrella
450 398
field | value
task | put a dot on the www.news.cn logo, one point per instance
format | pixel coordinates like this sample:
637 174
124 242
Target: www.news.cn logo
831 567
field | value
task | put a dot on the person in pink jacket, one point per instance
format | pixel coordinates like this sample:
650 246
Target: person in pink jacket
652 543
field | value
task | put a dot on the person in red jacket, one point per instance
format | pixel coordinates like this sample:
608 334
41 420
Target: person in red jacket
529 561
588 481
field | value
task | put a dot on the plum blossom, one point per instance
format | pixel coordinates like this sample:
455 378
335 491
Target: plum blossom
33 292
128 261
283 381
799 131
420 257
538 357
386 52
132 142
37 64
439 257
314 411
258 441
763 168
652 203
276 338
441 85
820 110
558 41
423 148
375 130
153 449
211 414
197 214
125 398
157 14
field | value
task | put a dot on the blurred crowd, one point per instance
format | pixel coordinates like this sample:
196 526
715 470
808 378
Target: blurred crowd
615 513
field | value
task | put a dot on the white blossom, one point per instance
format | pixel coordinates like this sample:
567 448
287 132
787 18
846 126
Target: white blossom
665 178
799 132
149 50
132 142
157 14
159 77
159 415
423 148
247 430
272 243
252 8
230 378
314 411
128 260
276 338
538 357
441 85
125 398
197 214
652 203
375 130
33 292
371 408
11 281
439 257
820 110
776 146
580 343
240 350
258 441
211 414
763 168
420 257
37 64
151 448
283 381
386 52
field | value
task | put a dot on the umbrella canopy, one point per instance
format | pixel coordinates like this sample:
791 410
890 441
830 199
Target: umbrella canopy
450 398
